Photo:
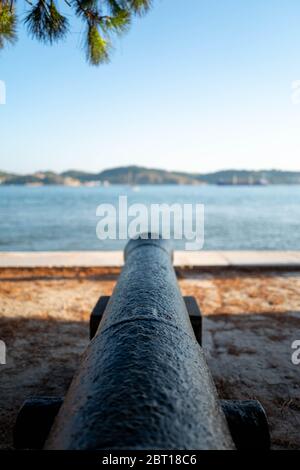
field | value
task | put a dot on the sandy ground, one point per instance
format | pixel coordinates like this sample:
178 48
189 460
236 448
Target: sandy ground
250 321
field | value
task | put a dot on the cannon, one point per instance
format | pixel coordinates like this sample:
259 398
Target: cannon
143 381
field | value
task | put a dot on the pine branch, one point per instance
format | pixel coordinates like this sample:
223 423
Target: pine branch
44 22
96 46
8 23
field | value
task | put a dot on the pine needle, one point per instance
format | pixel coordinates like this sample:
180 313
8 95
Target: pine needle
45 23
96 46
8 24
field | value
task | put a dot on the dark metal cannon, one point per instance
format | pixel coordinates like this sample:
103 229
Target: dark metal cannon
143 381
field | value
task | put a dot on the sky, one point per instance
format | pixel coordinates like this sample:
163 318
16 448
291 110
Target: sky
196 86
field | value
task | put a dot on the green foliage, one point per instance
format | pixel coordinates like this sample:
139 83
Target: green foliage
102 18
8 23
96 46
119 22
140 6
45 23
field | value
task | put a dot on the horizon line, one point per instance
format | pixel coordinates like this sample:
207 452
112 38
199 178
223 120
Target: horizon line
149 169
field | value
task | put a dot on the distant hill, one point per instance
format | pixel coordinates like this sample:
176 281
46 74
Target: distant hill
139 175
135 175
252 177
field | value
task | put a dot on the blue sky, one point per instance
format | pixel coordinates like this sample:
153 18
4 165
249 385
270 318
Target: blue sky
196 85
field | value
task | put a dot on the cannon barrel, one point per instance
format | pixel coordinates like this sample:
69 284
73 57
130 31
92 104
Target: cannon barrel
143 382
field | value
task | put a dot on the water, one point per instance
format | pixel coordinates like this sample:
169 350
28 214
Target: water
64 218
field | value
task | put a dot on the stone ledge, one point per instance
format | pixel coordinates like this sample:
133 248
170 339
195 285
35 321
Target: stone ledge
238 259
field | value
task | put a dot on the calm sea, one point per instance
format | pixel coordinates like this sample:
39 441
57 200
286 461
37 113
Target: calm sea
64 218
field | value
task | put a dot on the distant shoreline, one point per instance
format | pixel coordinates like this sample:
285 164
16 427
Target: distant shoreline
138 176
137 187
